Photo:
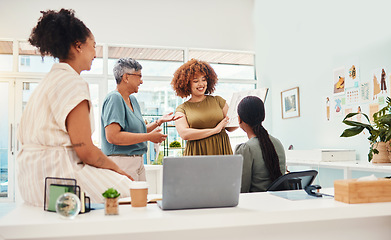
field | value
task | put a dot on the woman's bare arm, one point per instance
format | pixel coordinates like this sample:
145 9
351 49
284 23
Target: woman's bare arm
165 118
188 133
115 136
79 130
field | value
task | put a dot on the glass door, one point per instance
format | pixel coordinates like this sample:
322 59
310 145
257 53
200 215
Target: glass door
7 140
23 90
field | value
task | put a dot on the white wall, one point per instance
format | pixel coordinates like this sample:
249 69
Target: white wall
299 43
216 24
212 24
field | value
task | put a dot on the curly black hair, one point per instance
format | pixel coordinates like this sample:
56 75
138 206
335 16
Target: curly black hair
181 83
56 31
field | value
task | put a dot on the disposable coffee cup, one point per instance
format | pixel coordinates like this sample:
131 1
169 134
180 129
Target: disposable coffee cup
138 193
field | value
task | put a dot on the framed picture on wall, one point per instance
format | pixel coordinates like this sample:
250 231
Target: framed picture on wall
290 103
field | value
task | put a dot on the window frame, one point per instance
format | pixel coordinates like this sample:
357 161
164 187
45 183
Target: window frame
16 79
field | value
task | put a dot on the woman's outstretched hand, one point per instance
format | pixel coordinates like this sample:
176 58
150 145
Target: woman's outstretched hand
168 117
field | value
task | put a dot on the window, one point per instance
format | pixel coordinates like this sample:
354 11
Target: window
156 97
155 61
236 72
97 64
28 89
30 60
228 65
4 138
94 92
6 56
25 61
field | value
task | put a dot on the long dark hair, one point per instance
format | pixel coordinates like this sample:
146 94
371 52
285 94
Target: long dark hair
251 110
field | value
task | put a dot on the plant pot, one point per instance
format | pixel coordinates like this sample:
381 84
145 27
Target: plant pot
111 206
389 150
382 156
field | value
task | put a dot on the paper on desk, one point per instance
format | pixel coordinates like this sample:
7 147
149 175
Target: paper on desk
367 178
296 195
152 198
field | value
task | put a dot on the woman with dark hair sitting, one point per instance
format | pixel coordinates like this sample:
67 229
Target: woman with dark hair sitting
263 155
55 129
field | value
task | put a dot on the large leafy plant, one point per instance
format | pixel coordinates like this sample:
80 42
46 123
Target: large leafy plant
379 131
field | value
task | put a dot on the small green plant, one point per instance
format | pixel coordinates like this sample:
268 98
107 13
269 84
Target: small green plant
175 144
111 193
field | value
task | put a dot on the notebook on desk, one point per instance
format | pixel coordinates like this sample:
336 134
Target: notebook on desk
201 181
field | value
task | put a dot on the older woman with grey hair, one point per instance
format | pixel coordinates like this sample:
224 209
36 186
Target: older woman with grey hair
124 132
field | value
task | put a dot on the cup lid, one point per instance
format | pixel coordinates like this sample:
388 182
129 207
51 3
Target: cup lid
138 185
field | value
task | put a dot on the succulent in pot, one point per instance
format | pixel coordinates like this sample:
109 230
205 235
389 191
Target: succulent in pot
111 201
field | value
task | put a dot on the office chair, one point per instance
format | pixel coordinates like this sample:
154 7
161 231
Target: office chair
293 181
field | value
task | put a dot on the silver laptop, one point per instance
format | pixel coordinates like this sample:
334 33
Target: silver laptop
201 181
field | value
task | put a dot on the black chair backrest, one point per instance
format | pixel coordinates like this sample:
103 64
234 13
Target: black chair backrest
293 181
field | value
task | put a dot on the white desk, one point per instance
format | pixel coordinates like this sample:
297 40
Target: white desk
347 167
258 216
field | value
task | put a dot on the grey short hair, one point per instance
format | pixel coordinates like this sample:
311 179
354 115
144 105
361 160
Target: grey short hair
125 65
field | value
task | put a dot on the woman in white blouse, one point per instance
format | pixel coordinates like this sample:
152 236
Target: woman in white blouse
57 123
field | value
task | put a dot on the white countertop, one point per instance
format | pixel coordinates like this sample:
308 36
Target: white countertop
353 165
257 213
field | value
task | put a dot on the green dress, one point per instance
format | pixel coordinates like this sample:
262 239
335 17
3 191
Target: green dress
206 114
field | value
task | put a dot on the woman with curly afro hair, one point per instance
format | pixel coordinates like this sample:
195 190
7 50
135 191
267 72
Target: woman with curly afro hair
204 116
55 129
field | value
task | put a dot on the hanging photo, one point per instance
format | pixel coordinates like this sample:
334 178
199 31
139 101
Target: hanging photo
352 96
373 108
290 104
364 92
347 111
379 83
328 110
339 81
337 105
352 76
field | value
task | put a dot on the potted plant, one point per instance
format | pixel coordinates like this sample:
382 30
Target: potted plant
175 144
111 201
379 132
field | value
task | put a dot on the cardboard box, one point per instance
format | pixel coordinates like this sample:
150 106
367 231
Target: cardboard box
321 155
353 191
